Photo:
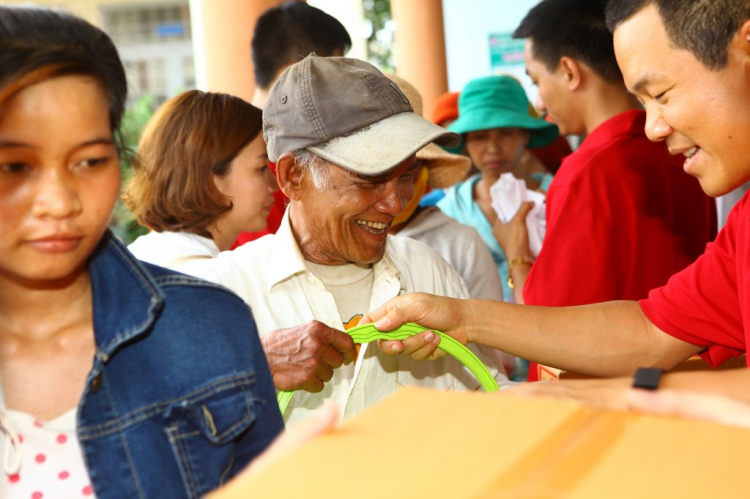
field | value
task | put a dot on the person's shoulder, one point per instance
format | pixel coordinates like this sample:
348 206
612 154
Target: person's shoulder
251 249
228 266
422 268
406 248
609 161
452 226
457 195
176 285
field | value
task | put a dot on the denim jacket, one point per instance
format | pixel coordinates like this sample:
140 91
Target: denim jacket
180 397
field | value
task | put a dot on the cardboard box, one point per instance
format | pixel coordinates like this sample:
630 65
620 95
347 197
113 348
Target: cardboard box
427 444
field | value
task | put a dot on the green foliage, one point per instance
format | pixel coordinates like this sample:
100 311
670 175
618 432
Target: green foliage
124 224
380 41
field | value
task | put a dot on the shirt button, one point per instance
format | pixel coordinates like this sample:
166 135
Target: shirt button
96 383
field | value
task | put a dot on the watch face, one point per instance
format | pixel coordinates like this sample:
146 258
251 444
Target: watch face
647 378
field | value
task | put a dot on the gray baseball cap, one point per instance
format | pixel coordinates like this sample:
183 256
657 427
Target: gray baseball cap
347 112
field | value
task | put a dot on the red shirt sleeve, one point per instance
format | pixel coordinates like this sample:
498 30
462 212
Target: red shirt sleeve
701 305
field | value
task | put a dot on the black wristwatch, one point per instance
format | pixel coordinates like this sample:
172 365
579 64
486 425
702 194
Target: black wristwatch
647 378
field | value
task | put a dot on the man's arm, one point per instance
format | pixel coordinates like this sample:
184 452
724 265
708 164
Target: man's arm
729 408
607 339
615 393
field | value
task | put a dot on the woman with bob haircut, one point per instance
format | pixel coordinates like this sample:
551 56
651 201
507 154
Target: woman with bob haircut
201 177
118 378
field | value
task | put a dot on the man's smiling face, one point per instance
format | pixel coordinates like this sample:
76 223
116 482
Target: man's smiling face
699 112
349 221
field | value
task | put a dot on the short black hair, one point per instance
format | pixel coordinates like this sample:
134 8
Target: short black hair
705 28
290 32
572 28
34 39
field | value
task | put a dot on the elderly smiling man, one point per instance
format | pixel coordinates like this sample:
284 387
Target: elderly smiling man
344 140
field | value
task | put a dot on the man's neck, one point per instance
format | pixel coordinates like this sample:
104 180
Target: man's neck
309 240
605 101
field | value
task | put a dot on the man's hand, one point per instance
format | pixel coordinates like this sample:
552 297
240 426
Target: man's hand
513 237
304 357
703 406
443 314
605 393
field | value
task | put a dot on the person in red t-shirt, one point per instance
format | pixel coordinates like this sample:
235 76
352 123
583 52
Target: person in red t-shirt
691 74
620 199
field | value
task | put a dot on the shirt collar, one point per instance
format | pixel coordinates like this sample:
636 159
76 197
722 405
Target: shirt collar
286 258
628 123
126 298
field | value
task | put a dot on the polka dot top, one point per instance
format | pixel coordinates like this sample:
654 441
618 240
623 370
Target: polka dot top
51 462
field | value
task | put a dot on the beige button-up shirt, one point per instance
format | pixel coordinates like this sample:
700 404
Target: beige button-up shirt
271 276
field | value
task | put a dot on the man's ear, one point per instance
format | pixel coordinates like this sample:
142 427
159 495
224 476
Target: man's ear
289 175
572 72
745 37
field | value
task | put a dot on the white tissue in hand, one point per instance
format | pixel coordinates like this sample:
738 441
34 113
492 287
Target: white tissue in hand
507 195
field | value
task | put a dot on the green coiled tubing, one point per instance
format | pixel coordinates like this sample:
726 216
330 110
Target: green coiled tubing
367 333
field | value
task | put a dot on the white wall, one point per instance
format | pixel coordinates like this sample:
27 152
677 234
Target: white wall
468 24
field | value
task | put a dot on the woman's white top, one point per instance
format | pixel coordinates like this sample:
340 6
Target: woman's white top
41 460
172 249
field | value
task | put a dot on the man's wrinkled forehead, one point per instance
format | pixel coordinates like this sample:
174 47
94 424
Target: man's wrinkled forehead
411 161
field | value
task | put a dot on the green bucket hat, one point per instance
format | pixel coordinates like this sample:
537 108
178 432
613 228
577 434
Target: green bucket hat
500 102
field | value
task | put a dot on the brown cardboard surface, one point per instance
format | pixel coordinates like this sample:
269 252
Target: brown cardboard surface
421 443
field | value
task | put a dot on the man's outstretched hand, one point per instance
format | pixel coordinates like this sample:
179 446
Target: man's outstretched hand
447 315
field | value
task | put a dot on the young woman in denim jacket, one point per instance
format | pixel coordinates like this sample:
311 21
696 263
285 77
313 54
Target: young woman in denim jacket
119 379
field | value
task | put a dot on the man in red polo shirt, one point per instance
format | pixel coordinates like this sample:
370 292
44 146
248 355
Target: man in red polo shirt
691 74
622 215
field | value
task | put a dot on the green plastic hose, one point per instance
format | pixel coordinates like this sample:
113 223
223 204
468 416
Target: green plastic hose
367 333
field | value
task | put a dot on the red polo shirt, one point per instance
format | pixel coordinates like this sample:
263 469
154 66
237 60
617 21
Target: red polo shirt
708 303
622 218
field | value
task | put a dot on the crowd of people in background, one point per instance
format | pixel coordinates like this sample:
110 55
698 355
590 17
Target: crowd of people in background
330 202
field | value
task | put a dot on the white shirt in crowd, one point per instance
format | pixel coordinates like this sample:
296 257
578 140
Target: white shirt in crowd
42 460
170 249
270 274
462 247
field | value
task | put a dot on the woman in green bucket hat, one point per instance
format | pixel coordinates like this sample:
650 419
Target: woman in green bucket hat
494 120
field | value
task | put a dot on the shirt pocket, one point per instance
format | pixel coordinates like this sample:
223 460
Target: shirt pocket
203 427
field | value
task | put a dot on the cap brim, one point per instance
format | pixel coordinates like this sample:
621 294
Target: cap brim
380 147
541 132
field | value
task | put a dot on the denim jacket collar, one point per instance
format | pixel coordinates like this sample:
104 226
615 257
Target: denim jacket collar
120 316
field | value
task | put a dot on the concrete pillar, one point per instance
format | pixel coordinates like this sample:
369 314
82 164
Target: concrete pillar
419 45
221 39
